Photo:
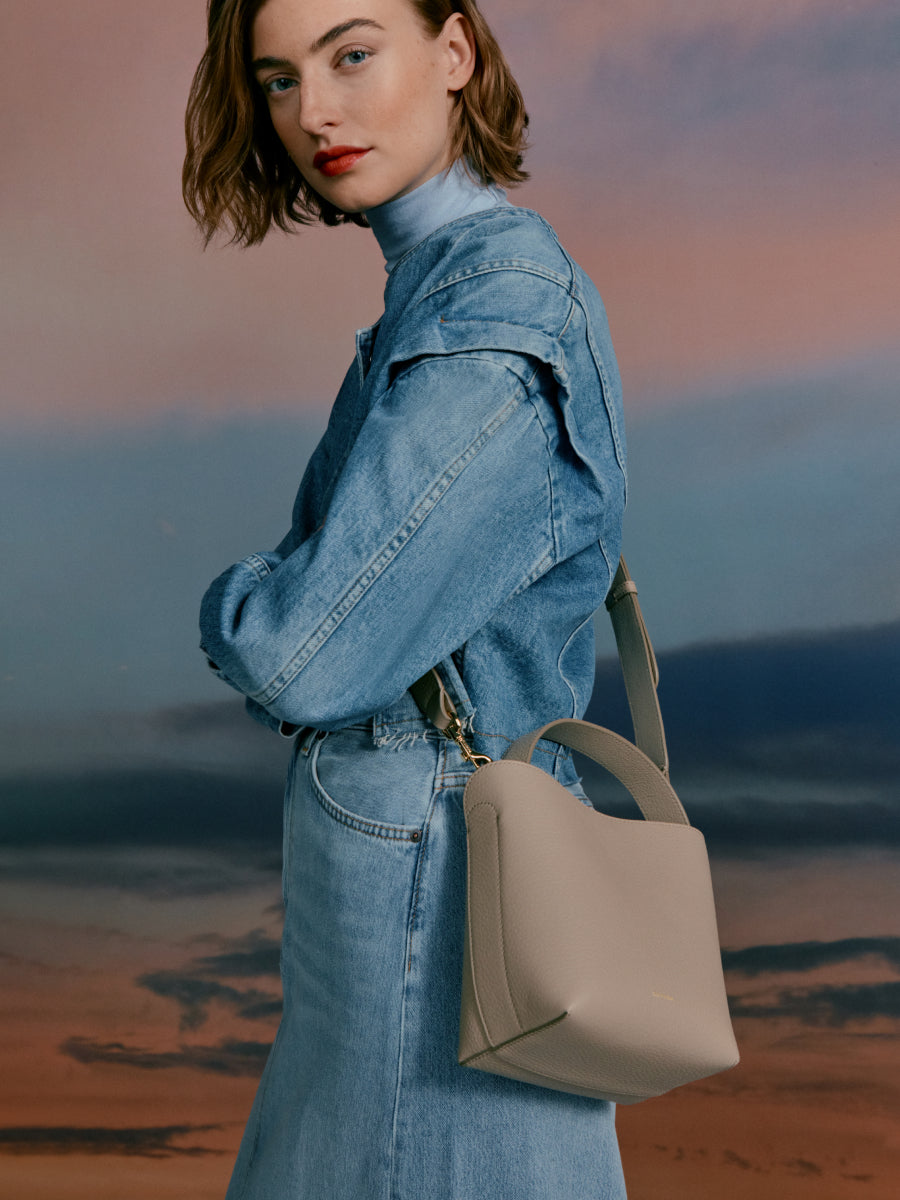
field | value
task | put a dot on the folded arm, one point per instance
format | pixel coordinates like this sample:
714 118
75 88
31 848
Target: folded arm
441 512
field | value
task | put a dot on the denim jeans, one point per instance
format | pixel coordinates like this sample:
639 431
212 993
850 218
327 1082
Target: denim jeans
362 1097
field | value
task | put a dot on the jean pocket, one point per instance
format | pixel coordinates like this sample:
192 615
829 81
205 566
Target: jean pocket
377 791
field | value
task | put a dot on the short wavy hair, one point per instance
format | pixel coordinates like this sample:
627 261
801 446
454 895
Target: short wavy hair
237 174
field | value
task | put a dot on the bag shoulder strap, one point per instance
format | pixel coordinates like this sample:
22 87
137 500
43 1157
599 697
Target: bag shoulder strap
639 667
639 670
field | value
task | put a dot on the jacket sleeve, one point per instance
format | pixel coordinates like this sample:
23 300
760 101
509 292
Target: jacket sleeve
441 512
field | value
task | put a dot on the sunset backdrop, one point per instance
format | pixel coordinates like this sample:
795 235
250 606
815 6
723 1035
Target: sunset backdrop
728 173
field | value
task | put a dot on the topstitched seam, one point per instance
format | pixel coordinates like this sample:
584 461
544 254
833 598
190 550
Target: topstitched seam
474 808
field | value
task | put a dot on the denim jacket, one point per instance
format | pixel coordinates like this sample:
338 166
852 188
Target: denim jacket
462 509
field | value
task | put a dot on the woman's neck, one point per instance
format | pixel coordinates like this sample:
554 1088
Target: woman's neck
402 223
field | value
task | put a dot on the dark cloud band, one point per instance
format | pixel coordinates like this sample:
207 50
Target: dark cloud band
195 994
772 729
143 1142
836 1006
229 1057
198 984
808 956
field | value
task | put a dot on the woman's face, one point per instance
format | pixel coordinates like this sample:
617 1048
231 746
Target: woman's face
360 93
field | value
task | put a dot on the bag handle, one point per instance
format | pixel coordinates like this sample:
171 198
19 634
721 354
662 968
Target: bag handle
649 788
639 670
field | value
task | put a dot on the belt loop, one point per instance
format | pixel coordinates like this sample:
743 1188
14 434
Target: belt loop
306 737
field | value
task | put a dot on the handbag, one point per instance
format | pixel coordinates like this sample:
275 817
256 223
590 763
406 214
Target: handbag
591 959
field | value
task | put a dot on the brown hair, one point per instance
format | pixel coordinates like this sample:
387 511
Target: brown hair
237 173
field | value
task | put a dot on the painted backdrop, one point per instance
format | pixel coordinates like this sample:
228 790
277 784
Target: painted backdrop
728 174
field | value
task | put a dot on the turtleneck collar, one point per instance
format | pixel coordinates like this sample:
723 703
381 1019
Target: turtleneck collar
402 223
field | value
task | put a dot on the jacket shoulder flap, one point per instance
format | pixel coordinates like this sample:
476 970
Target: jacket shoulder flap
497 282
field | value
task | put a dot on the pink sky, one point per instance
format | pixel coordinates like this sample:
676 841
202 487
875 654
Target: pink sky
728 245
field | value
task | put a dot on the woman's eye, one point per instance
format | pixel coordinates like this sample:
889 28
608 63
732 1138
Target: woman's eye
274 87
354 58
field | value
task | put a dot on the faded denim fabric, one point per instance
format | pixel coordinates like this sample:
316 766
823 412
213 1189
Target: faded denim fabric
462 509
362 1096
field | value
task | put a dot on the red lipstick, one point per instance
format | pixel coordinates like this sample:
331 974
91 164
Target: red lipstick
338 159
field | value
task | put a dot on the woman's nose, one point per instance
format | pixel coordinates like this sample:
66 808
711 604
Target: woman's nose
317 107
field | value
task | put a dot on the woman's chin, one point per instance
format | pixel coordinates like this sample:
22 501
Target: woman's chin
358 195
348 200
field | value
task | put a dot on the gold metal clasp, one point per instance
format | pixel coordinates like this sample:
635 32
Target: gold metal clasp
454 731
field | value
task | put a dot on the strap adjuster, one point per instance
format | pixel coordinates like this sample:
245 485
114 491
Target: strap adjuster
619 591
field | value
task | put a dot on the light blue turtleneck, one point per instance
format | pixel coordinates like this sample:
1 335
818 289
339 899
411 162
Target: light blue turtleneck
402 223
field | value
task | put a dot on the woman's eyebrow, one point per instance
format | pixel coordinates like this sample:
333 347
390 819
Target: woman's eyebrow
339 30
263 64
280 64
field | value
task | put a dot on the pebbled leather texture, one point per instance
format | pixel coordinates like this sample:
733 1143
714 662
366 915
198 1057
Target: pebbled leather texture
592 960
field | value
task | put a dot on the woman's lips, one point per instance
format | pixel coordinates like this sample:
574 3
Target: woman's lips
338 159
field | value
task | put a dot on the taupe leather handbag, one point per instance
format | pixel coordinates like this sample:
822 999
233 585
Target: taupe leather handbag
592 961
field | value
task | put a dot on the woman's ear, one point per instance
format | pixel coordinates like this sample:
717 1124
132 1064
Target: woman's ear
459 48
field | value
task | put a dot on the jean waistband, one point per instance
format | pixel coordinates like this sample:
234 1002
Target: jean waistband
403 720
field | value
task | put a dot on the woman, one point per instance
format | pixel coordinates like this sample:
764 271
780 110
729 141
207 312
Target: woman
463 509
